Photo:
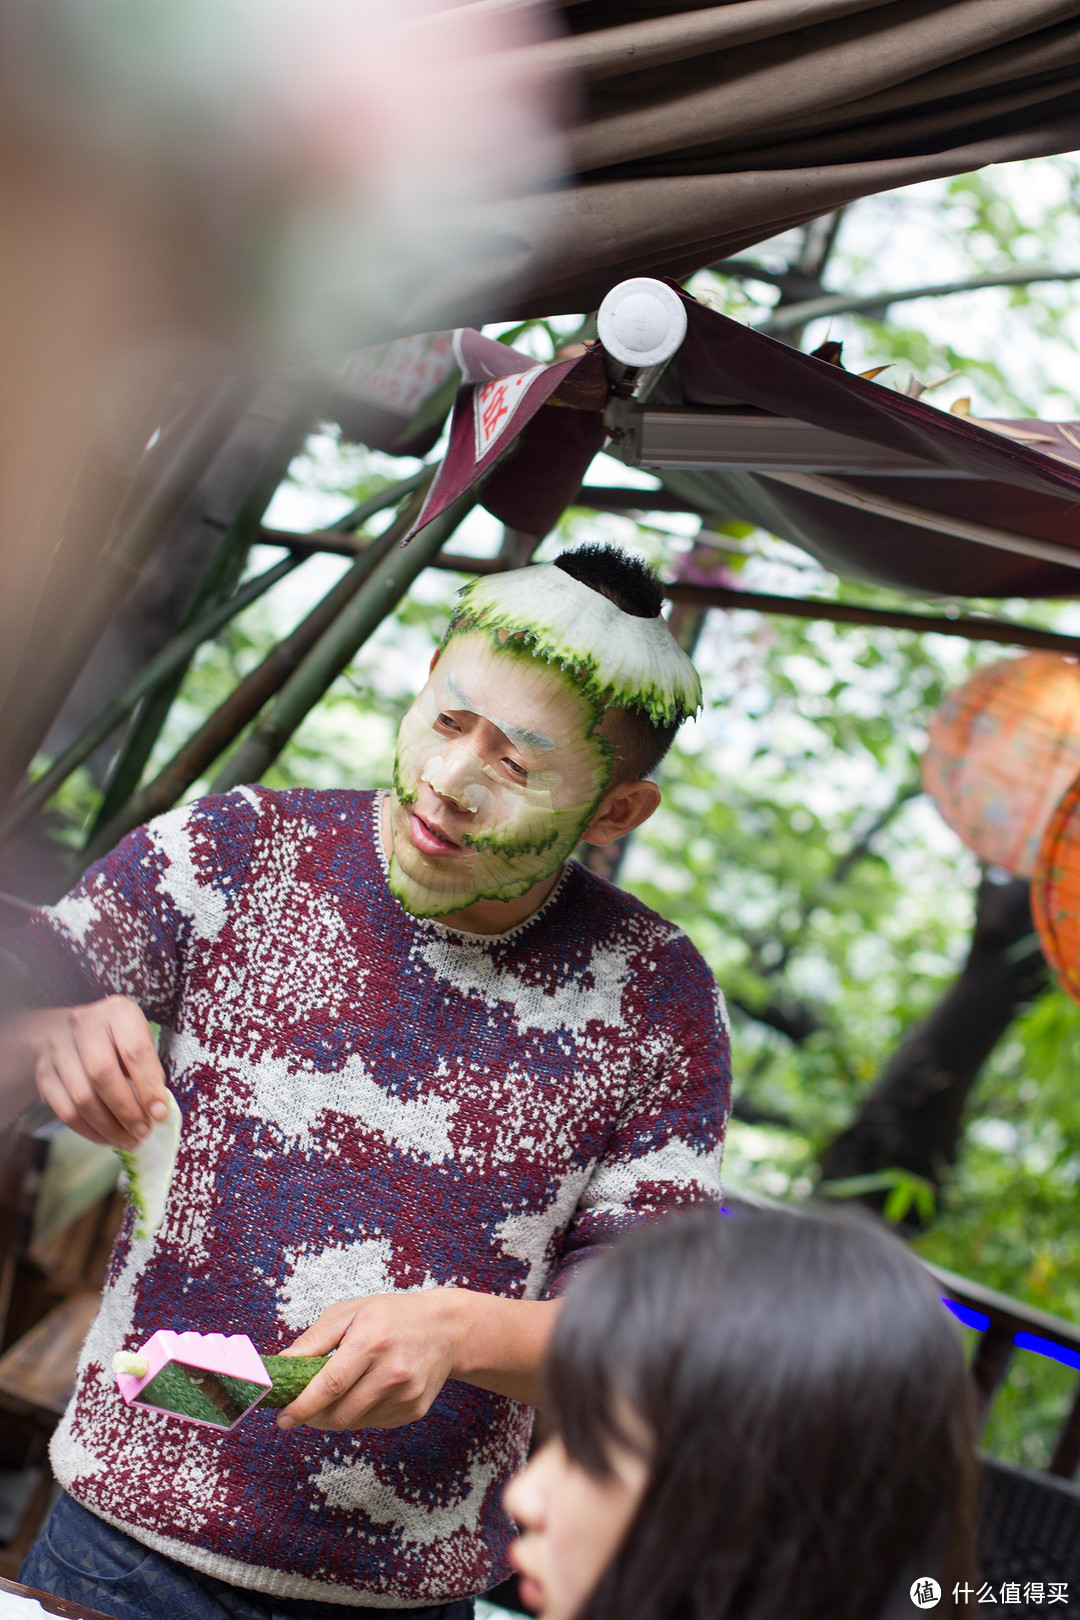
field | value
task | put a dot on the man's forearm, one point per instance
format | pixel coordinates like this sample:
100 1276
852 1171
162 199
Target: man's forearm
501 1343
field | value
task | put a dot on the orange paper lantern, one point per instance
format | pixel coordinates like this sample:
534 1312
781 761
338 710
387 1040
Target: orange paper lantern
1003 748
1055 891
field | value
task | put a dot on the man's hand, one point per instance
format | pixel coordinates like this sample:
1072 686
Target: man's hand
394 1353
96 1066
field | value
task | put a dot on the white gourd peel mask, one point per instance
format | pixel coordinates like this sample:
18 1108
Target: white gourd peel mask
518 819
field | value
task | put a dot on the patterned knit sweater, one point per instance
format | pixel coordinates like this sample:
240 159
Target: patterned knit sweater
371 1103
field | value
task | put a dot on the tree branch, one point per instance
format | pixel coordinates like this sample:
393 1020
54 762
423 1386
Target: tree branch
792 283
788 1017
812 309
910 790
791 1016
912 1117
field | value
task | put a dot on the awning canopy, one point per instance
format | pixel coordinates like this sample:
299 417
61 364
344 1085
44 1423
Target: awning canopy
876 484
698 130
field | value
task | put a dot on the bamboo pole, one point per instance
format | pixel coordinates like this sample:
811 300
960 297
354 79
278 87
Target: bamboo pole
1003 631
392 495
221 728
33 704
337 647
222 575
1006 632
598 498
172 656
243 703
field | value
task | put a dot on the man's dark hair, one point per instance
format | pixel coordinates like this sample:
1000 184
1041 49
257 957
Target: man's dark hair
631 584
801 1398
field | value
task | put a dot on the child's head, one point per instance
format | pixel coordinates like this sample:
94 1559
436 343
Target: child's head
766 1418
556 692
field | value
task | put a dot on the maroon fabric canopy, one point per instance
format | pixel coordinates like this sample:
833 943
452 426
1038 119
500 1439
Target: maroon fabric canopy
974 474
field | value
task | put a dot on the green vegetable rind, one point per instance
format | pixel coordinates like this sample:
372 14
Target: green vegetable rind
176 1389
150 1168
617 659
510 864
171 1390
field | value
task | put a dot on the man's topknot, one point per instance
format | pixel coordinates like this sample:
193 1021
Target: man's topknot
624 580
640 742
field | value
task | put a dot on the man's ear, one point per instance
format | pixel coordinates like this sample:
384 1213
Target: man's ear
623 807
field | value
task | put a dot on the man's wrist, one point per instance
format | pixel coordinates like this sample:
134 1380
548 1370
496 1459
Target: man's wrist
498 1344
463 1318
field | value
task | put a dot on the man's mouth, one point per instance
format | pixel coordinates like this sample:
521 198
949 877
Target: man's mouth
428 839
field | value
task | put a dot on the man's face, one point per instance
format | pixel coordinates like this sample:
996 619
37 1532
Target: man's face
498 771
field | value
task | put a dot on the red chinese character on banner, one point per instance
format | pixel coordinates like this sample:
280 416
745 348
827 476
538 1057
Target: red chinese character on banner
495 402
495 406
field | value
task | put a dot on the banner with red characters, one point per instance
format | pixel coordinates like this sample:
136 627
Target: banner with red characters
552 415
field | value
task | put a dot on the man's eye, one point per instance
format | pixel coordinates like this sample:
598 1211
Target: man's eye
518 772
449 722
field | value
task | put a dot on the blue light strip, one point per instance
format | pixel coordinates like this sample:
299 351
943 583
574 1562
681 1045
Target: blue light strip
1048 1348
1023 1341
970 1318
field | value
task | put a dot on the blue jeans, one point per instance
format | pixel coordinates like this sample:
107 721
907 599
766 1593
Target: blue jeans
81 1558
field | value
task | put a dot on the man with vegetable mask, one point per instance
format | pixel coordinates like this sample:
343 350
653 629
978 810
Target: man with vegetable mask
510 755
427 1063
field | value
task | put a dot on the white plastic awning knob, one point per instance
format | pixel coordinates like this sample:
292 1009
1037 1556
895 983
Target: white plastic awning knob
641 322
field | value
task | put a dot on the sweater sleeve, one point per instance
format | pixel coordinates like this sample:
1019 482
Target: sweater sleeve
130 922
665 1150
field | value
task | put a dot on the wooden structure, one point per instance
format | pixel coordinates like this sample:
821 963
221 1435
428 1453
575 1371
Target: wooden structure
50 1604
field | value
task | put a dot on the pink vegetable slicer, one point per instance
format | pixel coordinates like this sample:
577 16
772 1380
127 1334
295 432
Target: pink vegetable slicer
207 1378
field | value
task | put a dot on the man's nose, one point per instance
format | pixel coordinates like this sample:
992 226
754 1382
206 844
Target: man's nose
455 779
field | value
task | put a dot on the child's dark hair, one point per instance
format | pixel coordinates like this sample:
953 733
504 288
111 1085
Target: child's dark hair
809 1413
631 584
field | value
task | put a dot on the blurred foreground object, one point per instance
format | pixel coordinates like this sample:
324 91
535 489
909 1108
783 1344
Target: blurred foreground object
193 190
194 195
318 170
1002 750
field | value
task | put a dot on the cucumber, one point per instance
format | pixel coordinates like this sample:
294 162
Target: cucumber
194 1392
218 1398
291 1374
